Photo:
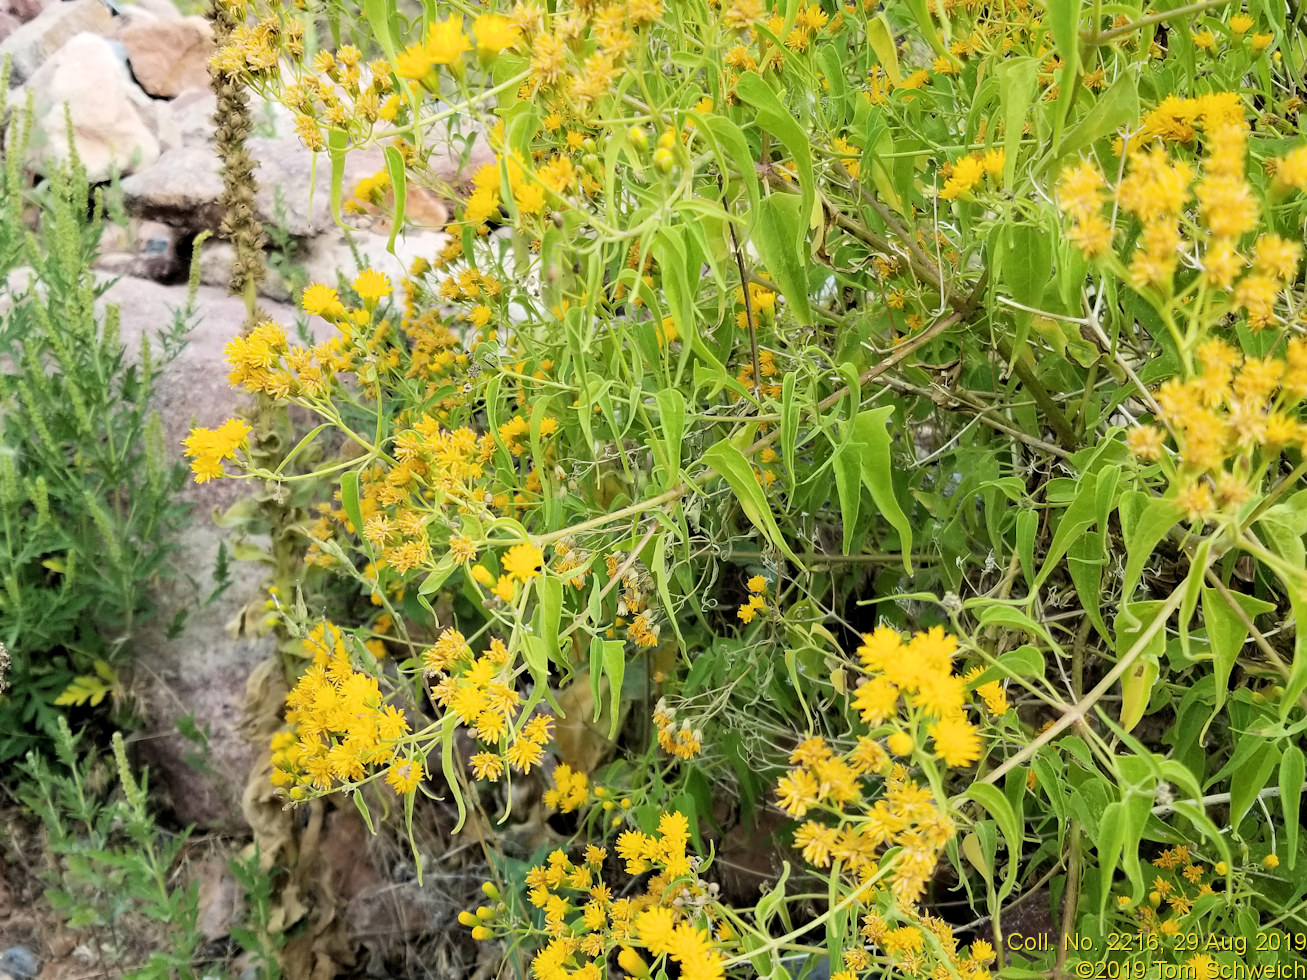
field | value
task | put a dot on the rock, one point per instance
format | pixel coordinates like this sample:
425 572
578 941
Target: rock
183 186
163 9
169 56
25 10
193 111
219 900
216 259
109 132
182 189
146 250
201 673
327 255
8 24
38 39
20 963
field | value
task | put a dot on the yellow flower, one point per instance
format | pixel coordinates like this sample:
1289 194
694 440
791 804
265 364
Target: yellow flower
757 584
371 286
956 741
404 775
446 42
494 33
900 743
523 561
488 766
1240 24
995 697
967 173
321 300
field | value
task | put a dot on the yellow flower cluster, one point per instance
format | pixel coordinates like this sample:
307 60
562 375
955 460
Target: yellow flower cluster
571 790
586 924
967 172
209 447
478 692
680 741
1156 191
756 604
922 946
529 190
341 727
907 817
1230 422
444 45
920 672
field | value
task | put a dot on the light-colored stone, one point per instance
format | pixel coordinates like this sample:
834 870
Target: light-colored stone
182 189
163 9
109 132
193 110
38 39
169 56
8 24
216 260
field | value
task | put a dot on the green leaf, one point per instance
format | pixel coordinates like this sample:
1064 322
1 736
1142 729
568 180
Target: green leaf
1145 521
870 428
301 446
613 658
1112 831
380 16
881 38
789 425
1115 108
726 460
671 414
1226 633
349 500
398 184
779 235
1137 682
1248 779
1063 17
337 143
993 800
777 120
848 483
1018 84
1292 775
438 575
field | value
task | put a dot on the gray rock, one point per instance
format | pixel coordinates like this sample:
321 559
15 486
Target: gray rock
38 39
200 674
216 260
20 963
182 189
146 250
109 132
184 186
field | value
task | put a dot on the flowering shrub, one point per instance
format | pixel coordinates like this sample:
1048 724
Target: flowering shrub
960 336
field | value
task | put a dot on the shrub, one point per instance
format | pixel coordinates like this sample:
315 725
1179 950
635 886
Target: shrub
838 410
87 489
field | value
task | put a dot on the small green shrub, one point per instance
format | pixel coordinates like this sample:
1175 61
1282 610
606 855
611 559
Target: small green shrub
87 503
